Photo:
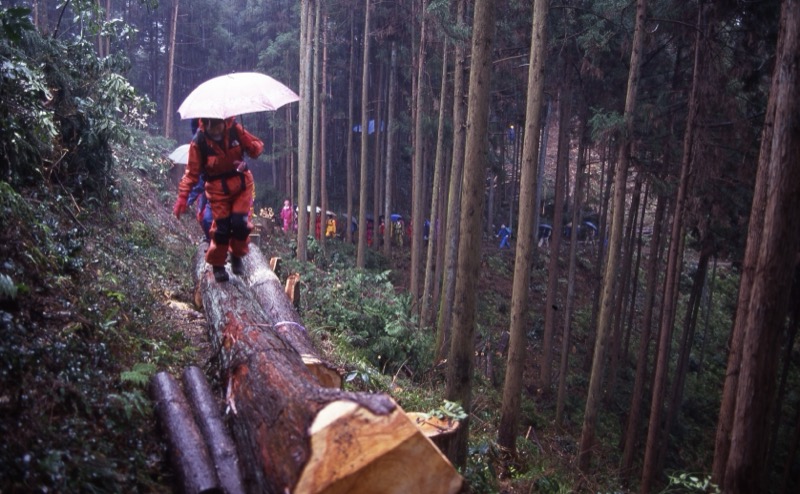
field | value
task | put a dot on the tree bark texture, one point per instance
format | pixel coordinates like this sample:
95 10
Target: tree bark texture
512 386
361 253
768 300
188 453
609 280
444 319
269 293
217 439
462 348
294 435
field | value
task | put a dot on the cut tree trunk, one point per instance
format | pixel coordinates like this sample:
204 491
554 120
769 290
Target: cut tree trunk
294 435
209 419
267 289
188 454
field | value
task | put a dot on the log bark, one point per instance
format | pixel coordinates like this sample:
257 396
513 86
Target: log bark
188 454
294 435
286 322
218 440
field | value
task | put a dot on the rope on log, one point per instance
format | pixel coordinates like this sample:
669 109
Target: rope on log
285 320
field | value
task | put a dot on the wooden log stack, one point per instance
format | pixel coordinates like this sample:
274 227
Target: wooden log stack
293 433
194 469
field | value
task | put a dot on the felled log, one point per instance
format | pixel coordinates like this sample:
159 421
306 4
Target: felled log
294 435
286 322
208 417
187 450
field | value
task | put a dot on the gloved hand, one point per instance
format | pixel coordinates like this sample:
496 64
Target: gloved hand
180 207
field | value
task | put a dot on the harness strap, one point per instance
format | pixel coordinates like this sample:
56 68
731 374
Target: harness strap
224 177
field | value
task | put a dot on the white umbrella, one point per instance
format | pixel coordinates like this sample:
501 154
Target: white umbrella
181 155
235 94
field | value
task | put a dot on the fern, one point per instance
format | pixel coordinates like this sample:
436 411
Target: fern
7 287
139 375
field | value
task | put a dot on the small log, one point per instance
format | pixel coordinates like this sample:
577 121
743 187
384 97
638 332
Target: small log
286 322
188 453
293 288
275 264
219 442
294 435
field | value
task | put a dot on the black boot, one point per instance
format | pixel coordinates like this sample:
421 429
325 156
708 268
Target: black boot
220 274
237 266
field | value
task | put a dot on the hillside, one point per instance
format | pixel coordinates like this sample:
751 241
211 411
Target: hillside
95 297
98 296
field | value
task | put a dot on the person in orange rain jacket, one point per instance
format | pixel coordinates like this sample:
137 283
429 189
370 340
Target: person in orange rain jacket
217 153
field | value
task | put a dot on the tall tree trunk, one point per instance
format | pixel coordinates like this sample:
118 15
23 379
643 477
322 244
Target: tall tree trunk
778 177
376 157
361 256
438 172
304 119
685 347
673 273
168 85
625 281
606 179
313 200
462 348
636 270
453 195
417 195
551 298
517 351
323 133
609 285
637 396
389 177
351 95
577 219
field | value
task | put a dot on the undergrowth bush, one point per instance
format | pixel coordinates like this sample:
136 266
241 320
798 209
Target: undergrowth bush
361 309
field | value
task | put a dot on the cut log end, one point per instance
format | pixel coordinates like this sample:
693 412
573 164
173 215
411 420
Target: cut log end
353 450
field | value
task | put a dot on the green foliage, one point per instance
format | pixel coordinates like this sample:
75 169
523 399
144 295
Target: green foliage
480 472
448 411
139 374
8 289
15 21
363 309
687 482
65 107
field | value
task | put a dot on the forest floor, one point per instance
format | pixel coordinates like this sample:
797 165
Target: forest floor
93 297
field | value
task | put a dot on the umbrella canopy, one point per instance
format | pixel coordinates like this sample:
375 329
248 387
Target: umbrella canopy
235 94
396 217
181 155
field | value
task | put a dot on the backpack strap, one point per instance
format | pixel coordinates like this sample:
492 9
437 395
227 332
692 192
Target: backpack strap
206 150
